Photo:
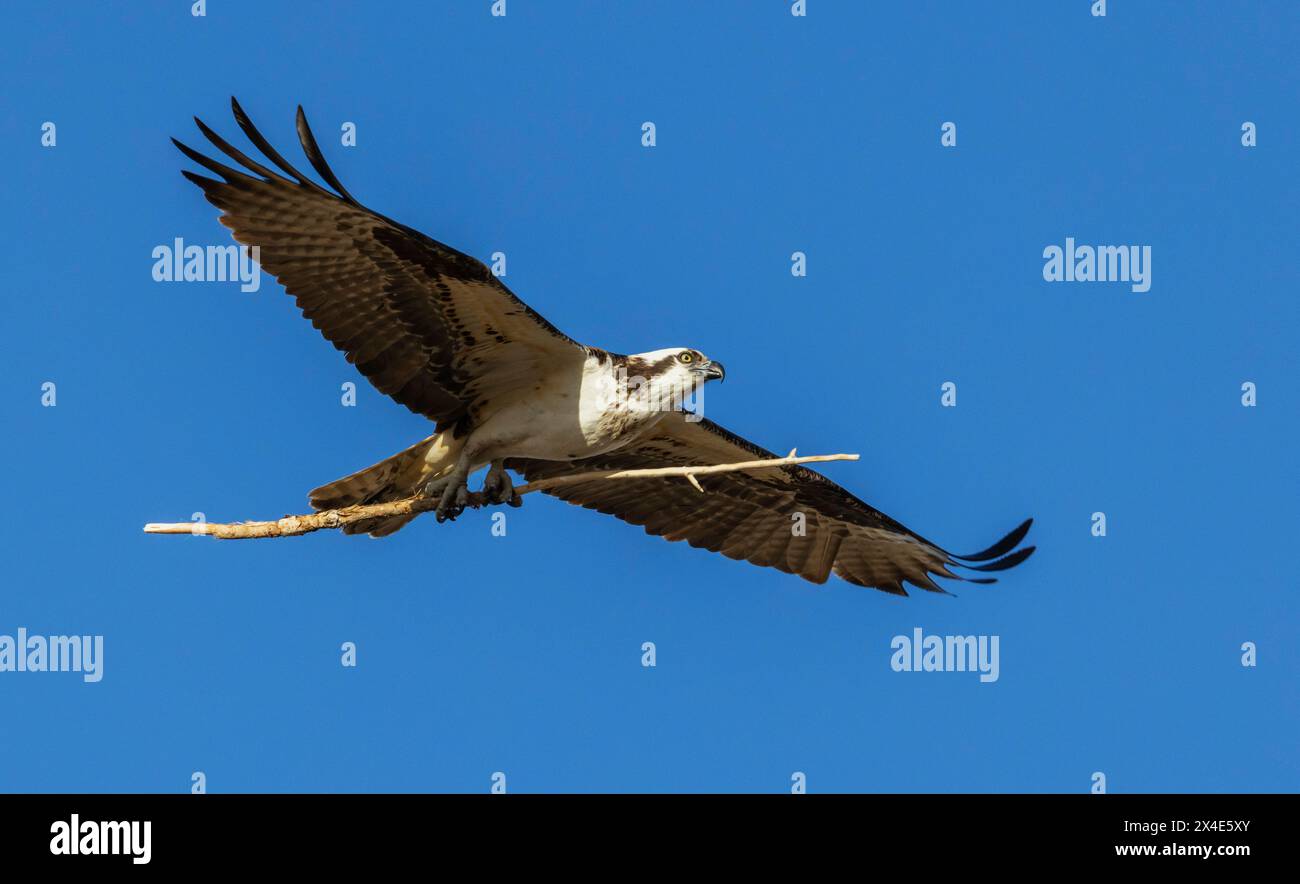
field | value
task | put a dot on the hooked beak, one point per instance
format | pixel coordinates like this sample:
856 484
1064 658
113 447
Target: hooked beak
712 370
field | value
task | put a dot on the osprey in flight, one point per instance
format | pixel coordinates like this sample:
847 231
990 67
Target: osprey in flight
438 332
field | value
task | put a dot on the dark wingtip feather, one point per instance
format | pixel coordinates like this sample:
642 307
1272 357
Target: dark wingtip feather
1004 563
241 118
316 158
235 153
210 164
260 142
1003 546
201 180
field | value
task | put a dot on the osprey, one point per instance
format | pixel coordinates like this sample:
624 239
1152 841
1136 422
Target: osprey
434 329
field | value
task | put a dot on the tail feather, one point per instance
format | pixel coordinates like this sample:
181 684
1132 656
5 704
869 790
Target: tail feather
393 478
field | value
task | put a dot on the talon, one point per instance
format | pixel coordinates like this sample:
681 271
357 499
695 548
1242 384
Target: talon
499 488
452 503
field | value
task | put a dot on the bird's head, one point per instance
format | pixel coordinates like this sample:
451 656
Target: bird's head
672 379
676 366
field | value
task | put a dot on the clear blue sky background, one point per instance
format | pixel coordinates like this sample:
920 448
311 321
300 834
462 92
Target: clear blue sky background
522 654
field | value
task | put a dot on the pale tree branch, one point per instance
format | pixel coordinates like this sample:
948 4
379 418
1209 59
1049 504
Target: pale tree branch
291 526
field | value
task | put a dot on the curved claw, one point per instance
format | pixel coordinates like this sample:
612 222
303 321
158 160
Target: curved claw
452 503
499 488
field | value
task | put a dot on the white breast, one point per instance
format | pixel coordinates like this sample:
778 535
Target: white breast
568 415
611 412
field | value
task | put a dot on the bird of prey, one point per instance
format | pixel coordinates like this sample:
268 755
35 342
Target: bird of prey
434 329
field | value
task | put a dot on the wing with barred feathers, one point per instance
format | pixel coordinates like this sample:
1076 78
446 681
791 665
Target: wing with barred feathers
753 515
427 325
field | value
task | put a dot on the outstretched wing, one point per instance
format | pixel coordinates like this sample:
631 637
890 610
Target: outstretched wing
754 515
426 324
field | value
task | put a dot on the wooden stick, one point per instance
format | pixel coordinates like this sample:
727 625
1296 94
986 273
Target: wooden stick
292 526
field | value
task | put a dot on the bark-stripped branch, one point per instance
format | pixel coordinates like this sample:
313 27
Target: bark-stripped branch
291 526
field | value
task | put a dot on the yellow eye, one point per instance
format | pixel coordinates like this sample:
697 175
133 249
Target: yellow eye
686 356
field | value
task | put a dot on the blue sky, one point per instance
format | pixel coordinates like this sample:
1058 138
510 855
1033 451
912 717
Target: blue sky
522 654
